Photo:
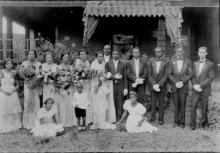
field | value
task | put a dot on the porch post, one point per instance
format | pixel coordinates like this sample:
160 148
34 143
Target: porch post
56 33
9 47
1 35
27 38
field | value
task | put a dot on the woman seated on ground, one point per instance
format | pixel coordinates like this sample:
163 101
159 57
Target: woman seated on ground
136 121
45 124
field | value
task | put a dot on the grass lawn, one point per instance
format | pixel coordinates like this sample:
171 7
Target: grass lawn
166 139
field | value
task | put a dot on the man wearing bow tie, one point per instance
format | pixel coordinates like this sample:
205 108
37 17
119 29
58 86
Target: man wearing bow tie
157 77
116 70
203 75
107 53
179 74
137 74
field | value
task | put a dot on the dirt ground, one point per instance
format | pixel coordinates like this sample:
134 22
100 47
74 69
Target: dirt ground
166 139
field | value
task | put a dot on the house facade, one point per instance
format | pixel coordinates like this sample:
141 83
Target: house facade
123 24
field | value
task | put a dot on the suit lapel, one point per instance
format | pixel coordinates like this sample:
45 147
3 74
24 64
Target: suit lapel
183 66
154 66
161 65
133 66
140 66
203 68
197 68
117 69
175 66
112 65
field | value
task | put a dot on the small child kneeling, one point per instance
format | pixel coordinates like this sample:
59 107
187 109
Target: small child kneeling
46 125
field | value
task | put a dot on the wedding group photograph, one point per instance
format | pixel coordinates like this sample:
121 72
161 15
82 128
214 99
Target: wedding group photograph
109 76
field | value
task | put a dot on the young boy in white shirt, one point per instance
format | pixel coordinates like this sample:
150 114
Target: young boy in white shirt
80 104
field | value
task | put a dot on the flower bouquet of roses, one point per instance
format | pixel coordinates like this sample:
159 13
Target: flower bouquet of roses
63 79
80 74
30 76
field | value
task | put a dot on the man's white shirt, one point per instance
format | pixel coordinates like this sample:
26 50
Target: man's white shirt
179 65
158 63
136 63
106 58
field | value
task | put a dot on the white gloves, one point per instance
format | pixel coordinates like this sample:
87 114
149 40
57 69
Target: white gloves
179 84
197 88
108 75
125 92
156 87
118 76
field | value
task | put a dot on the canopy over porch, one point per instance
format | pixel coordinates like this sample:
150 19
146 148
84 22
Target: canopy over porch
96 9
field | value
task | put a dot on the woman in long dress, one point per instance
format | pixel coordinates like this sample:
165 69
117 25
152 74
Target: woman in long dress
46 124
32 89
99 94
65 93
10 108
83 65
48 69
136 121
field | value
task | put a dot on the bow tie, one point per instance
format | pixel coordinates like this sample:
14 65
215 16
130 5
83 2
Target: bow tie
158 60
179 59
202 61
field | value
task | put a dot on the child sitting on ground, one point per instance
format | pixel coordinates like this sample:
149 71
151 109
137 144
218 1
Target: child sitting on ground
80 104
46 125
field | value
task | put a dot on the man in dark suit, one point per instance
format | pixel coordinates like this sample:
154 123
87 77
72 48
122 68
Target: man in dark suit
180 73
157 77
137 74
203 75
116 70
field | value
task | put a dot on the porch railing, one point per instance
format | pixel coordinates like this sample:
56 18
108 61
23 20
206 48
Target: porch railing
16 48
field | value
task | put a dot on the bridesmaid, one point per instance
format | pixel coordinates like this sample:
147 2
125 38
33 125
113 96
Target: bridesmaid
10 108
64 99
48 69
31 95
83 64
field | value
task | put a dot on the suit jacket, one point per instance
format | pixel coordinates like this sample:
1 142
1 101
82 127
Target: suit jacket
184 75
131 72
121 68
160 77
205 78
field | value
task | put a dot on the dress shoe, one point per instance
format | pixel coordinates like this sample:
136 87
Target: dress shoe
182 126
193 128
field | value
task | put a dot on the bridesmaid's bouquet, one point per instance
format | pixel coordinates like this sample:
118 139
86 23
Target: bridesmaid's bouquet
48 76
63 79
80 74
30 76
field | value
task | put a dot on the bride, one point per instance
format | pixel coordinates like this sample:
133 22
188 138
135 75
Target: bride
102 96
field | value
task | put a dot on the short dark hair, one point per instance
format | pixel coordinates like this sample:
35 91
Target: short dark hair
82 50
8 60
203 47
65 54
33 50
48 99
136 48
98 52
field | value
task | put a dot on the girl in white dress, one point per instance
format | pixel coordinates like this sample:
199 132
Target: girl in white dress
31 93
66 116
136 121
46 124
10 108
103 106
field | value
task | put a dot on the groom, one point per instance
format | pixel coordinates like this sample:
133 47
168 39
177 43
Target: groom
116 70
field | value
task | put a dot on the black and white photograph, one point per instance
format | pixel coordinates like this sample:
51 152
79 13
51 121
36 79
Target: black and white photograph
109 76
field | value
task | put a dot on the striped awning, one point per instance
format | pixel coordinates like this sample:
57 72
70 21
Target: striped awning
130 8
